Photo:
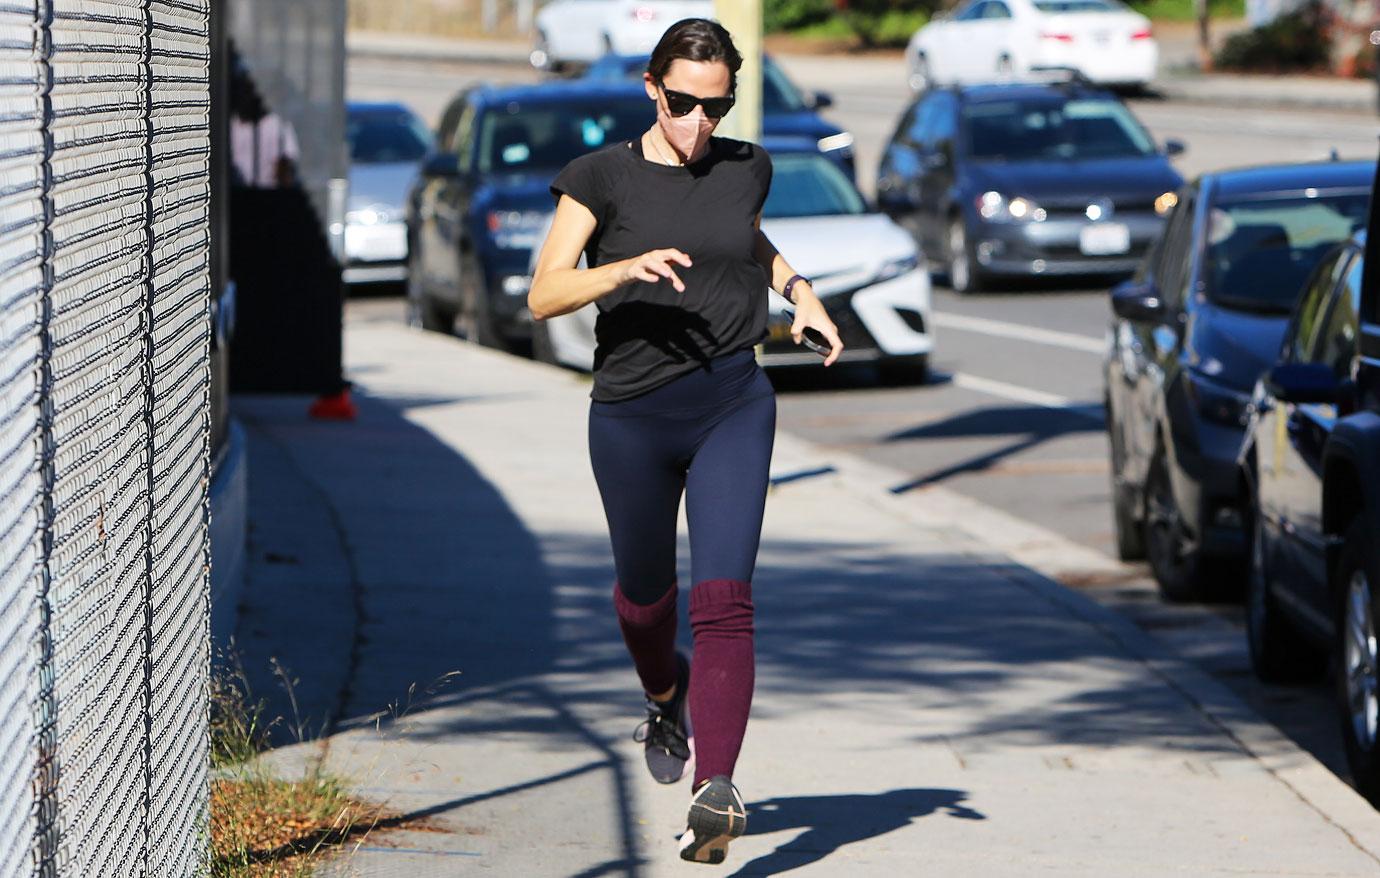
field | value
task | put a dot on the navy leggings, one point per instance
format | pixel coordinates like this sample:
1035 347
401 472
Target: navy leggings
707 434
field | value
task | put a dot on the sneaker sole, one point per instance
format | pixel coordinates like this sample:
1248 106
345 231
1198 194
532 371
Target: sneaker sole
711 826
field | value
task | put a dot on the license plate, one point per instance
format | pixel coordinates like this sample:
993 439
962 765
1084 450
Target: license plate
1104 239
1102 37
376 243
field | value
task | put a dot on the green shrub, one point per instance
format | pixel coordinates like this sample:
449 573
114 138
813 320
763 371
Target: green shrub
1187 10
892 27
779 15
1297 41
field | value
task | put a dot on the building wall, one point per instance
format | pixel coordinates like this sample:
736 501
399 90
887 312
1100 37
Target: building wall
104 457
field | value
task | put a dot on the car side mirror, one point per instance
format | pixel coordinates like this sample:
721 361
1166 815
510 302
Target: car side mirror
1139 302
1304 382
1174 147
822 99
441 164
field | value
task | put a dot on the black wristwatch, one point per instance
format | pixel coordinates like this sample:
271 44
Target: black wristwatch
790 285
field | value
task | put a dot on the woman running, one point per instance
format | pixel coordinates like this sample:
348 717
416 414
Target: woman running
678 268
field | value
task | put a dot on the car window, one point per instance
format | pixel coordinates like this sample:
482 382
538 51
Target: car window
1054 128
920 123
519 137
995 9
1176 259
944 120
1336 342
462 140
386 136
1059 7
972 11
445 132
1262 250
808 184
1303 326
779 94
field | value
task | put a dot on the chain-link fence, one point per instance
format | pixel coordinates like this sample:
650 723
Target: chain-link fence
103 437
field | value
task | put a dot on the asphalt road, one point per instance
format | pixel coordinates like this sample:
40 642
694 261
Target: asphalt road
1012 414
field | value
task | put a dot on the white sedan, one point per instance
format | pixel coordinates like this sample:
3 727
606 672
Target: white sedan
578 32
986 40
866 269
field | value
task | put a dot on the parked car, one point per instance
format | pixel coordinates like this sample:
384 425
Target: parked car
1190 335
786 111
865 269
1027 180
1311 466
387 143
984 39
482 199
577 32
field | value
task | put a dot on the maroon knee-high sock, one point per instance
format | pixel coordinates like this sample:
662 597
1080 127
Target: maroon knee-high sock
721 674
650 633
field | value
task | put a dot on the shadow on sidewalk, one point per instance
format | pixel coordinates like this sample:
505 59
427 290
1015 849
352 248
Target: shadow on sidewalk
834 821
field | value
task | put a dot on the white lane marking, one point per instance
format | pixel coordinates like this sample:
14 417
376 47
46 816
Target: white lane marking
1002 329
1016 393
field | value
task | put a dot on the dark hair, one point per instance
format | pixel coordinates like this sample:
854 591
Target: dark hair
695 39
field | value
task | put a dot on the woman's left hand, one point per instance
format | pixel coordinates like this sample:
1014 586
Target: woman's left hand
809 312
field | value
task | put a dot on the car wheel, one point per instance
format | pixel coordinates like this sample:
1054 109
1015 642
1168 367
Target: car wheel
905 371
543 350
421 310
1173 559
920 77
964 276
476 318
1279 653
1358 665
1130 538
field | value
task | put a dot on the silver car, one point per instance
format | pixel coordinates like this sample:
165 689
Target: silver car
387 143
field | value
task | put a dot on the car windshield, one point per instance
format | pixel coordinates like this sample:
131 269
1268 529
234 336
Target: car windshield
1057 7
520 138
1260 252
1053 129
386 136
806 184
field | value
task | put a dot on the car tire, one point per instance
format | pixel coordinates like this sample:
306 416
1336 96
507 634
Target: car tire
905 371
421 310
1176 564
964 275
1130 538
543 350
921 79
1279 652
476 318
1358 575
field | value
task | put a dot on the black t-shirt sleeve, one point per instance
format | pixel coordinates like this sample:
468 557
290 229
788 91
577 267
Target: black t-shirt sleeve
762 170
586 179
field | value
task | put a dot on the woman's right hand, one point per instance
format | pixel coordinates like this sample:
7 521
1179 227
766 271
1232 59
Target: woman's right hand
655 266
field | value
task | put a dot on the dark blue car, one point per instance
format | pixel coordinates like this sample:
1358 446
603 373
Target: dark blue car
1191 333
482 199
786 112
1030 179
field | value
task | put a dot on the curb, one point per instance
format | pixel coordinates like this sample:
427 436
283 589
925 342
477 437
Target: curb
1040 559
1219 93
391 47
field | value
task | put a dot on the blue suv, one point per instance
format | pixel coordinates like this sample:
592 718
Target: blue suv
482 199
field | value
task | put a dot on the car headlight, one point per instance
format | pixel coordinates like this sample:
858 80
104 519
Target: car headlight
1217 403
1165 203
516 229
897 267
842 140
997 208
373 215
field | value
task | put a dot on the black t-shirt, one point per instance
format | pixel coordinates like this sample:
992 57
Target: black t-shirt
647 333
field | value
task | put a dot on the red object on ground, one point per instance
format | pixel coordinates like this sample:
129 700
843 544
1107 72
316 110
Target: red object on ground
334 407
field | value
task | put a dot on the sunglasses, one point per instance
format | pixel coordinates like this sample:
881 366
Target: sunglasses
679 103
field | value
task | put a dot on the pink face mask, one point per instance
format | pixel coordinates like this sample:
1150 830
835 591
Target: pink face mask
687 134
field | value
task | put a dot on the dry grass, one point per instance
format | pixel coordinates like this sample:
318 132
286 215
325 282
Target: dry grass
442 18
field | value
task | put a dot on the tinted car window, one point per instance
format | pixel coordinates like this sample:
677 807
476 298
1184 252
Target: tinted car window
1176 254
779 94
971 12
943 119
1056 7
996 9
805 184
384 136
1260 252
1054 128
1336 344
919 123
1304 325
519 138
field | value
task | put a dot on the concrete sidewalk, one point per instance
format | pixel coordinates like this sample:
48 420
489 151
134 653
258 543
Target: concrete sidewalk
924 705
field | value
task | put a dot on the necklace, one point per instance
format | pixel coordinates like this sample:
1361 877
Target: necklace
656 146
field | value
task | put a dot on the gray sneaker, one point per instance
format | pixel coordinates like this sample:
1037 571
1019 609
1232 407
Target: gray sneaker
717 816
666 731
